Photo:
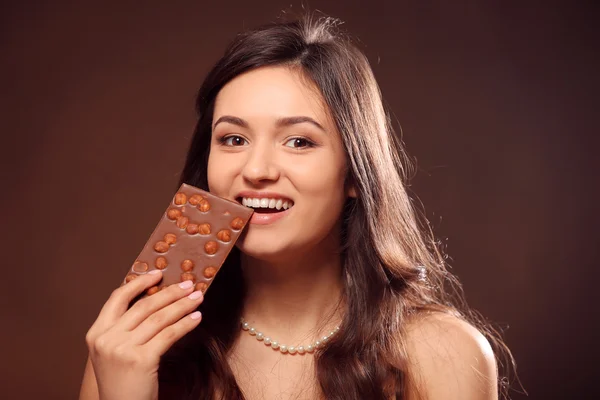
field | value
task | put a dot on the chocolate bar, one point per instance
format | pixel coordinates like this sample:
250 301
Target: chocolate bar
192 239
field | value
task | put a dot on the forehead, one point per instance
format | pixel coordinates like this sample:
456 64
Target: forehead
271 92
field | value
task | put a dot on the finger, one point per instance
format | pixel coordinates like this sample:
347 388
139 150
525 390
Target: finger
160 343
151 304
119 300
165 317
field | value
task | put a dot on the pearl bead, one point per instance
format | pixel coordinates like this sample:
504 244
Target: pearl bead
325 339
317 344
300 349
267 340
310 348
274 345
245 326
259 336
283 348
252 331
331 333
337 329
292 350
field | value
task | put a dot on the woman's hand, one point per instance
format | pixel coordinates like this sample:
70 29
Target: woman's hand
125 345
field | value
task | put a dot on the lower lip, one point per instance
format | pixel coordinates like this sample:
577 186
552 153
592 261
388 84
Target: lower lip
268 218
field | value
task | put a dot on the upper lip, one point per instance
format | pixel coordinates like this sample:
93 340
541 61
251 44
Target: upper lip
251 194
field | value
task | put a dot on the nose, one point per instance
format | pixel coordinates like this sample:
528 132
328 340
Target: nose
261 166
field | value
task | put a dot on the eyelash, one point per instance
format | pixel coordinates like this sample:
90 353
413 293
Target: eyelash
309 143
224 139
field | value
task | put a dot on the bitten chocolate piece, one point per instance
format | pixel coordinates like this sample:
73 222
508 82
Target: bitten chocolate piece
192 239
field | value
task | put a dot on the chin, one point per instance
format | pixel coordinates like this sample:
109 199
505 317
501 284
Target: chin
266 249
280 247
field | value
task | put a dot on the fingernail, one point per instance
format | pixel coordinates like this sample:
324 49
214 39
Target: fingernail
186 284
154 272
195 295
195 315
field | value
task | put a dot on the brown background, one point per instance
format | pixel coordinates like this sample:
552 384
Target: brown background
497 103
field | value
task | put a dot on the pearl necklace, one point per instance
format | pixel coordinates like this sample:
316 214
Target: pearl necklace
275 345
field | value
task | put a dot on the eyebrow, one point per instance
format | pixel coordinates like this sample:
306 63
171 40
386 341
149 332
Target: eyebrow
281 122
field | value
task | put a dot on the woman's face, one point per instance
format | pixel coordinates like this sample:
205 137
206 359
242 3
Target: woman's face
275 148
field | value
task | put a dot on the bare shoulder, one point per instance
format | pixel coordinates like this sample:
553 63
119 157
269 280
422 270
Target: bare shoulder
449 359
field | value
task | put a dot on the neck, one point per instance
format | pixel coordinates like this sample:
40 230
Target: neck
297 299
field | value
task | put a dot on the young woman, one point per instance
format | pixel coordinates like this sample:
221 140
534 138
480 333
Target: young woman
342 294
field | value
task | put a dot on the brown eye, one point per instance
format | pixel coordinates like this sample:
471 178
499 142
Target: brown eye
298 143
234 141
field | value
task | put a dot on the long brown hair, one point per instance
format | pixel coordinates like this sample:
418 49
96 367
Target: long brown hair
392 268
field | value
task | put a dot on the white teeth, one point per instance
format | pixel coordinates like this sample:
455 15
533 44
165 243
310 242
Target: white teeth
267 203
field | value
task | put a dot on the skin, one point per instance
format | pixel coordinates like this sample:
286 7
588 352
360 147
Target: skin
293 272
125 345
292 266
449 359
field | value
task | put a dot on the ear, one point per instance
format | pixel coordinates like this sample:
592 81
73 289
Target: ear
351 189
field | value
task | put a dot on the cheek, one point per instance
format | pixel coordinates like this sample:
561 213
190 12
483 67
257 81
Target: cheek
322 192
217 174
321 177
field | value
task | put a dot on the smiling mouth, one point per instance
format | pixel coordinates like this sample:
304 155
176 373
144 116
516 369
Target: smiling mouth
266 205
